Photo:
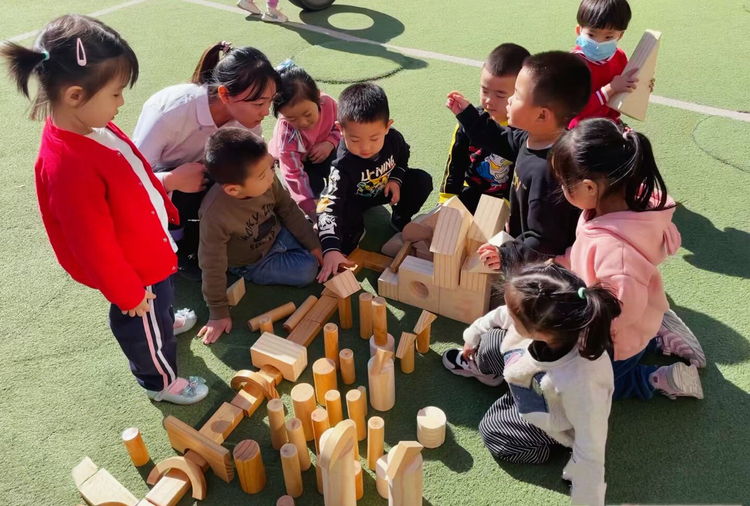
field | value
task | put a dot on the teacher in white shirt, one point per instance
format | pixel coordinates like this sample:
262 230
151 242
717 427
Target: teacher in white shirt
231 87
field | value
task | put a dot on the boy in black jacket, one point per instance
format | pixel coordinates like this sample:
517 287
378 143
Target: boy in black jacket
472 171
371 169
551 89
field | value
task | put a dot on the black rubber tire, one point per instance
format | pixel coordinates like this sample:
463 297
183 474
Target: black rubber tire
313 5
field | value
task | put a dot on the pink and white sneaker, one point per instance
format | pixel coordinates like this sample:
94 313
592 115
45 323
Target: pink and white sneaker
184 320
182 391
677 380
675 338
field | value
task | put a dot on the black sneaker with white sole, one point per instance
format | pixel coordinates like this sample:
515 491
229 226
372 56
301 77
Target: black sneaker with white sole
455 362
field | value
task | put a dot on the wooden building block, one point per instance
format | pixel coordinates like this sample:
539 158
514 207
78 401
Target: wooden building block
423 328
452 226
644 56
275 314
348 374
405 352
306 331
345 313
422 250
103 488
320 424
277 423
382 381
365 314
403 453
333 407
343 284
193 472
402 253
257 383
169 489
222 423
381 480
357 260
393 245
415 232
183 437
323 310
377 262
356 405
405 487
337 466
291 470
490 218
288 357
324 376
447 270
375 437
475 264
236 292
296 435
331 336
464 305
250 468
415 284
380 320
474 281
83 471
300 313
359 485
389 345
388 285
500 238
137 450
285 500
431 423
303 401
265 324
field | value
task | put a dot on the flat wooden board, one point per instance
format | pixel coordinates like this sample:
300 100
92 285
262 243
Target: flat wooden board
450 233
343 284
406 341
307 331
169 489
321 312
183 437
102 487
377 262
644 58
83 471
222 423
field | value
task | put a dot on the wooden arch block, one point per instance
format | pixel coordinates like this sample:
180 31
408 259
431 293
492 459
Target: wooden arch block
191 470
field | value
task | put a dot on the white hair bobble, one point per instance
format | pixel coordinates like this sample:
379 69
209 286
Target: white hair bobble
626 132
80 53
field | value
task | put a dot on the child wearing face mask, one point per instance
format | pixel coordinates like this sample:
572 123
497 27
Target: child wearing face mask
601 23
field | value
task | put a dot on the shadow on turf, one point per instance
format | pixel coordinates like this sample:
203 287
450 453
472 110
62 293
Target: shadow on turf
721 251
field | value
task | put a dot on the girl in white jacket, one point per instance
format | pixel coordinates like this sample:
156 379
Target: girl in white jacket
549 343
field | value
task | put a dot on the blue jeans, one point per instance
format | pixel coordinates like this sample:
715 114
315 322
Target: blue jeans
631 377
286 263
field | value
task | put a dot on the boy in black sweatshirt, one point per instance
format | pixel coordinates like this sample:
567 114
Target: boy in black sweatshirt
371 169
550 90
472 171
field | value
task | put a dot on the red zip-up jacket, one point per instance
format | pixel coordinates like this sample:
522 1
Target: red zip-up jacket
602 73
99 218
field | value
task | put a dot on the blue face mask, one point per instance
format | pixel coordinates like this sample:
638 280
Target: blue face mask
596 51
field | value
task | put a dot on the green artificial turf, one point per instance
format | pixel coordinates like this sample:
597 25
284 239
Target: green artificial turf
65 387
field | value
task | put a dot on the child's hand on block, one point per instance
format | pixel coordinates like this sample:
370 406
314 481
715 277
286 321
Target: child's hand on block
142 308
490 255
214 329
624 83
456 102
320 151
331 262
393 190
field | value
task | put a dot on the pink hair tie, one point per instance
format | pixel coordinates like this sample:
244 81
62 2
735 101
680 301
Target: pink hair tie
80 53
226 46
625 132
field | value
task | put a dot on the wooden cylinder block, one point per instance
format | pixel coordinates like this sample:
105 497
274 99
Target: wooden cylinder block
324 376
375 436
407 362
381 480
275 314
382 385
285 500
136 447
333 407
321 424
365 315
291 470
331 337
423 340
356 405
390 345
319 474
296 435
380 320
249 464
431 422
265 324
345 313
359 485
277 423
304 308
303 401
348 375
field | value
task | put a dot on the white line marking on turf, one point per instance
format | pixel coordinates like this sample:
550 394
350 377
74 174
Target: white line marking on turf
96 14
670 102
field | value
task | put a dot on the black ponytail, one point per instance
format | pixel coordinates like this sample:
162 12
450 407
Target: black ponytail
241 69
599 149
209 59
22 62
550 299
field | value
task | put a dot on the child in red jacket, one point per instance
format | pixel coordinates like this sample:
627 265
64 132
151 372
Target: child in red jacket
105 213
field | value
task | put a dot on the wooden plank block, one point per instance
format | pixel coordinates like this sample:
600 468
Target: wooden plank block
287 356
248 401
183 437
323 310
415 286
83 471
169 489
377 262
192 471
222 423
388 285
451 230
425 320
644 56
306 332
357 258
236 292
447 272
464 305
343 284
402 253
103 488
489 219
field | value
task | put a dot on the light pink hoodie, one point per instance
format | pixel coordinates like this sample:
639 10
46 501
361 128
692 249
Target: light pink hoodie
623 251
290 147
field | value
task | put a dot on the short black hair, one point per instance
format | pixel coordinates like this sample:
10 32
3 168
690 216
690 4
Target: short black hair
230 152
562 83
506 60
604 14
296 86
363 103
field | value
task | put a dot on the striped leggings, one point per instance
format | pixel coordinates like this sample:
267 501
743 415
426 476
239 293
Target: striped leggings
504 431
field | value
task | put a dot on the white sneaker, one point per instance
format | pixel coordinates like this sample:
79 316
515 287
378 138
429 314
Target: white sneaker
249 6
678 380
274 16
182 391
184 320
455 361
675 338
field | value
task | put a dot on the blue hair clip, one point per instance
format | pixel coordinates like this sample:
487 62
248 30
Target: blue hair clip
286 64
46 54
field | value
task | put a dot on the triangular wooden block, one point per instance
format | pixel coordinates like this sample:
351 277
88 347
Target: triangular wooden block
406 342
475 265
425 319
236 292
402 456
635 104
500 239
489 219
344 284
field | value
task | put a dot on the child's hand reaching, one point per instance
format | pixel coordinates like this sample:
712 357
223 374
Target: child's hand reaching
214 329
490 255
142 308
393 189
331 262
320 151
456 102
624 83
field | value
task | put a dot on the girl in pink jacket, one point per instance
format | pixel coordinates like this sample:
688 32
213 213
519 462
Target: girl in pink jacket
305 137
623 234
